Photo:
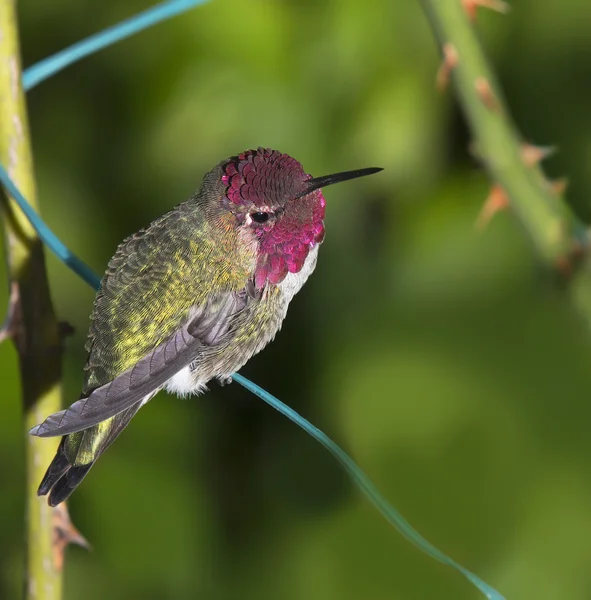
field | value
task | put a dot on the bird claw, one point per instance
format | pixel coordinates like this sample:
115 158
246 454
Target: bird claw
225 380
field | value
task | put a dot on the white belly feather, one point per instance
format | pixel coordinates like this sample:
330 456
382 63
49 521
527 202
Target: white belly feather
183 384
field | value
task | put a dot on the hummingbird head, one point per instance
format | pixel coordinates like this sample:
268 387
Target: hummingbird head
279 206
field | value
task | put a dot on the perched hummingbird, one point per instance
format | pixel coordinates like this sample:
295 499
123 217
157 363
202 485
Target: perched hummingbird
191 298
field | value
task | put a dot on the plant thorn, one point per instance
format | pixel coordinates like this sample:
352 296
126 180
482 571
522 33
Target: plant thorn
450 61
558 187
486 94
64 533
532 155
471 7
497 200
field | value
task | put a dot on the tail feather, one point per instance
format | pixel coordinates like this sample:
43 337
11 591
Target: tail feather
77 453
67 483
57 469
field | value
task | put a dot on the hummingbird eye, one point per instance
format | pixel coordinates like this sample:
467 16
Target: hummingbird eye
259 217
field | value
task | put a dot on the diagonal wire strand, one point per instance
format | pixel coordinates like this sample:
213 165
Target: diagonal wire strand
47 236
359 478
56 62
364 483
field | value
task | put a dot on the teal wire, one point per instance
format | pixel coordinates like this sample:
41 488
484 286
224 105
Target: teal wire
365 484
49 66
47 236
355 473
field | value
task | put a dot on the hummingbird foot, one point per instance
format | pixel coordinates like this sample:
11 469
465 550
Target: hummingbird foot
225 380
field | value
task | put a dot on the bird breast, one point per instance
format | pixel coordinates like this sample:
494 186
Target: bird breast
193 378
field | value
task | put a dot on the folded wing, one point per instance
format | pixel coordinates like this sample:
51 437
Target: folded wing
207 327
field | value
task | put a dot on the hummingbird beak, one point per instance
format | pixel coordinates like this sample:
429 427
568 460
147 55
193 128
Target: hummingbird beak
320 182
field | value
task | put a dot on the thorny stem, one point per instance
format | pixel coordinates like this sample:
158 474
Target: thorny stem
498 143
31 323
557 235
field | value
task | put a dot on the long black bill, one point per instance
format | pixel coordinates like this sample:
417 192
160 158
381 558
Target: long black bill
320 182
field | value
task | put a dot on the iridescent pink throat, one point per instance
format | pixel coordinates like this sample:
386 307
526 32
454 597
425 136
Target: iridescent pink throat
267 178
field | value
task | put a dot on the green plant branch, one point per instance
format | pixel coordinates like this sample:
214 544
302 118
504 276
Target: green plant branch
31 321
547 219
559 238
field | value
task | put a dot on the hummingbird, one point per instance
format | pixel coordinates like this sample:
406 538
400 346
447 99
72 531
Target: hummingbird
191 298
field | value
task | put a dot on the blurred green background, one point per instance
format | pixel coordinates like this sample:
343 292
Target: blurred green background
441 358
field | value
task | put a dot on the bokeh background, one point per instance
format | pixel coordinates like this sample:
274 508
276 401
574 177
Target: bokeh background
441 358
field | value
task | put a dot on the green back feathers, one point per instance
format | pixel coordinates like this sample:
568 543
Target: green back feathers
154 279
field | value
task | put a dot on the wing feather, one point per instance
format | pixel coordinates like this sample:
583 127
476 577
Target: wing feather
207 327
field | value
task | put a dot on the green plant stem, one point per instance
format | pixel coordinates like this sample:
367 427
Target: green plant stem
557 235
32 324
546 217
